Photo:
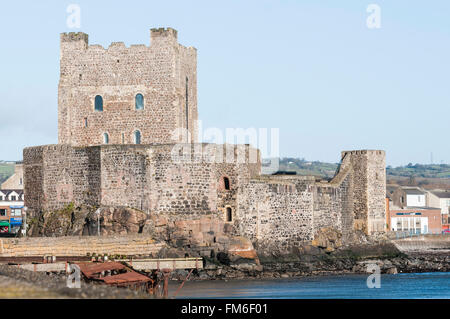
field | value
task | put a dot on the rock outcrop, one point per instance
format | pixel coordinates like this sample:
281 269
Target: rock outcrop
328 238
85 221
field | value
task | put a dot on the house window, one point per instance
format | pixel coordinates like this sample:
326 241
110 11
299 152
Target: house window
20 181
1 197
139 101
16 212
2 212
123 138
13 198
98 103
137 137
105 138
85 122
226 183
229 214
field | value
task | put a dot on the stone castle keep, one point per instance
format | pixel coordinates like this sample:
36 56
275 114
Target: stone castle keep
117 111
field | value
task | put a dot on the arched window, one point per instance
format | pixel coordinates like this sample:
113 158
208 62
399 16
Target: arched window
137 137
99 103
139 101
105 138
226 183
229 214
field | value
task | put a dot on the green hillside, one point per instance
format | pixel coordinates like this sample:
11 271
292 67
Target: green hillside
303 167
419 170
327 170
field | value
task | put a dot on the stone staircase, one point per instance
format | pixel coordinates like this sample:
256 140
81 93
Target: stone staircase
79 246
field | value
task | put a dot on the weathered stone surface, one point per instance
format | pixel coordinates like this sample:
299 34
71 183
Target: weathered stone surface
193 193
165 73
328 238
84 220
242 248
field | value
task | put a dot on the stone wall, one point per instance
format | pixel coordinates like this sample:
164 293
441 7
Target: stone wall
58 175
185 182
369 189
164 73
80 246
276 211
182 179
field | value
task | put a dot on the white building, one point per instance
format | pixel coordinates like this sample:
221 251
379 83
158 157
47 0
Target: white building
415 197
441 199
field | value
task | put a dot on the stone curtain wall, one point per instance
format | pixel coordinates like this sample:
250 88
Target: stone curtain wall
124 176
276 211
118 73
57 175
140 176
376 188
33 179
270 210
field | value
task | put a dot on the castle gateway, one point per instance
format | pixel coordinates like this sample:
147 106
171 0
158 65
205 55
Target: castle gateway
118 109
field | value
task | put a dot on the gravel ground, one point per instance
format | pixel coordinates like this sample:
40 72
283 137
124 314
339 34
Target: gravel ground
20 283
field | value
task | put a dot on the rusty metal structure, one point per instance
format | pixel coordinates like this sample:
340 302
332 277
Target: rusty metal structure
145 274
116 274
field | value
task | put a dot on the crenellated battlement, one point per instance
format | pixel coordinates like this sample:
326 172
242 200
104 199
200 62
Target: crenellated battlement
167 35
163 32
74 37
363 152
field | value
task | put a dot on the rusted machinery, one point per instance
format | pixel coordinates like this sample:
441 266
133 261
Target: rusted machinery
146 274
120 275
116 274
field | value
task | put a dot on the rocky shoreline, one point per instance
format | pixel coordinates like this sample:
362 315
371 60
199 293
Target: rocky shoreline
417 262
19 283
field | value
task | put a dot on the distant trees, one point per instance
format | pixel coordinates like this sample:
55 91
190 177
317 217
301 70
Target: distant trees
411 171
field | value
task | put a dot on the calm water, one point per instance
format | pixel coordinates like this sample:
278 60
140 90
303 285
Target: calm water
415 285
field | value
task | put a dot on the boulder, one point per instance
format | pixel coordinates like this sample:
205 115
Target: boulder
328 238
241 251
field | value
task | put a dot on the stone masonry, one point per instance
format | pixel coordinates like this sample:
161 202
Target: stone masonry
163 73
167 178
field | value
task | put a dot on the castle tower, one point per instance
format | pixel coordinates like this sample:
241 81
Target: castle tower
127 95
369 190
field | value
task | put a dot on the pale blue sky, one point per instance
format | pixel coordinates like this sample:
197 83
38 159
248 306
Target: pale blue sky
311 68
